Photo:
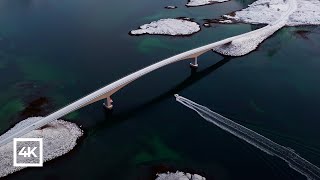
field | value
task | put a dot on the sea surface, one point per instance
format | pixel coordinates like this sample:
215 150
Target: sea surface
54 52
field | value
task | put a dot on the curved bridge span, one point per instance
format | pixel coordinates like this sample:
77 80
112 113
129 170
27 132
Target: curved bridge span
106 91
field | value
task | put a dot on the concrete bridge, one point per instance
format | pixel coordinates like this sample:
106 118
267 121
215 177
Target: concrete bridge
106 92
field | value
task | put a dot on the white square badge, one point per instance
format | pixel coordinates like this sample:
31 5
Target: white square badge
27 152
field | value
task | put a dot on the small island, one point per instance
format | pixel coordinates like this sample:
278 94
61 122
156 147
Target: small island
59 137
171 27
179 176
195 3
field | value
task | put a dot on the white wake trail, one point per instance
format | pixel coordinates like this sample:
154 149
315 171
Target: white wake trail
295 161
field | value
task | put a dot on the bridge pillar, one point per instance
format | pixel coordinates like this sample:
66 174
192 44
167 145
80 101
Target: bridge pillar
108 103
195 63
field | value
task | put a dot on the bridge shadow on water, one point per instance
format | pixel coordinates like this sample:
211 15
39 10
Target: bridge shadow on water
195 76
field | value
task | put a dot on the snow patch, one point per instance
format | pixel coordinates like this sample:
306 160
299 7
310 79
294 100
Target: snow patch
179 176
59 137
226 21
308 13
206 24
173 27
193 3
170 7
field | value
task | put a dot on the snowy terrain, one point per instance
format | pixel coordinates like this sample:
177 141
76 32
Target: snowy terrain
193 3
247 44
173 27
59 137
276 13
268 11
179 176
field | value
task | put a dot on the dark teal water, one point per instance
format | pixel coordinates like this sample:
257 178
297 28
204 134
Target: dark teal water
53 52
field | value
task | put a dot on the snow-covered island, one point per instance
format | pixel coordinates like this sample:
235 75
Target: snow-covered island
194 3
268 11
275 13
59 137
179 176
172 27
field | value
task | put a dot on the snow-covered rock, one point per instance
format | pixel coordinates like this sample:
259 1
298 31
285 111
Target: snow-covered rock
206 24
268 11
173 27
226 21
59 137
170 7
179 176
193 3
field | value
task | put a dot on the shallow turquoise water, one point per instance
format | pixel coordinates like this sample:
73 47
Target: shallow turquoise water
53 52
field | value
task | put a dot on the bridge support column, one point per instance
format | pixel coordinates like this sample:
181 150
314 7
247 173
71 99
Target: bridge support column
195 63
108 103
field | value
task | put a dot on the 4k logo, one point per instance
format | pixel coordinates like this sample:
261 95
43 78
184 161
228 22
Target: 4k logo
28 152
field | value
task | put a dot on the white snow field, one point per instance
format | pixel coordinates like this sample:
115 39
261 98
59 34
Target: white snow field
295 161
173 27
194 3
179 176
59 137
279 15
268 11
